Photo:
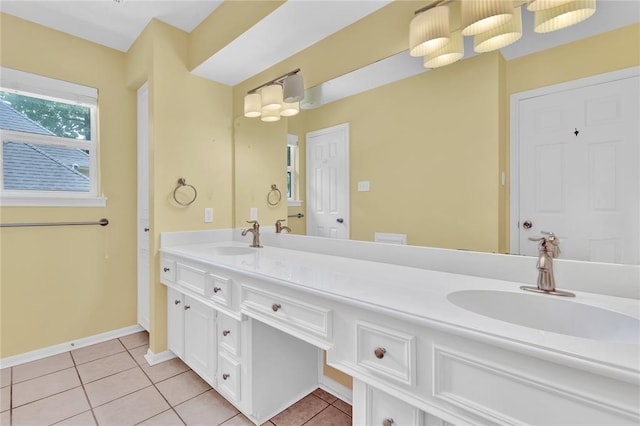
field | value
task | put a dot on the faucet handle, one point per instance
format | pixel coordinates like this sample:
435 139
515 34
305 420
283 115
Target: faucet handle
281 220
549 242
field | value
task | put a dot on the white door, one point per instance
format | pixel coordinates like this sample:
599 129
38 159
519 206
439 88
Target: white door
175 322
143 206
200 338
579 171
328 182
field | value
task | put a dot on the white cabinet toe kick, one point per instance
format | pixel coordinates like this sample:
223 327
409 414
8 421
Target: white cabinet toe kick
255 339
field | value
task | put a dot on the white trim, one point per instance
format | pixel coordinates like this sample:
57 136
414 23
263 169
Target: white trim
51 201
514 100
153 359
67 346
38 85
294 203
329 385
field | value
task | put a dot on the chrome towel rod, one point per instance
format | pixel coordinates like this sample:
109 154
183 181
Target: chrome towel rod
101 222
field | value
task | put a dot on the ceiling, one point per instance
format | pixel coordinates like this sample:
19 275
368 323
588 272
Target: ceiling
292 27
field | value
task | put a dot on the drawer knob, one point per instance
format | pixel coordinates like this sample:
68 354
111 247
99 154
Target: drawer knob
166 269
176 302
276 307
225 333
146 229
387 422
379 352
225 376
187 307
216 289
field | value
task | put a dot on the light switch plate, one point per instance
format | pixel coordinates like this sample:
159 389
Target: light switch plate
208 215
363 186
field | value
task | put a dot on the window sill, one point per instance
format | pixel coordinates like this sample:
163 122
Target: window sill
294 203
32 201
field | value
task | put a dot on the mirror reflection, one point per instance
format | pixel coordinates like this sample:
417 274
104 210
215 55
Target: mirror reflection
479 155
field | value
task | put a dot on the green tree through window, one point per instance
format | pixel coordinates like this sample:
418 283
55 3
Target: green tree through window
62 119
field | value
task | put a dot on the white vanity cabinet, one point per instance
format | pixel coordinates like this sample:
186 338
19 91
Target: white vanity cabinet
191 333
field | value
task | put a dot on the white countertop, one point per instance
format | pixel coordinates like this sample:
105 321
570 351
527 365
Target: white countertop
420 296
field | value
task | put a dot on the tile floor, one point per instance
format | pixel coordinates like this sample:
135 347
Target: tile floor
111 383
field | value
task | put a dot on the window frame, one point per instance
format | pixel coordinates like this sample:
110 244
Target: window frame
27 84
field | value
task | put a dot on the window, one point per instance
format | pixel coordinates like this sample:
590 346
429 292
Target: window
49 153
292 171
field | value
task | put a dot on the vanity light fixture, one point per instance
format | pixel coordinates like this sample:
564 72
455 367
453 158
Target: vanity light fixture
429 31
479 16
452 52
493 24
273 99
563 16
501 36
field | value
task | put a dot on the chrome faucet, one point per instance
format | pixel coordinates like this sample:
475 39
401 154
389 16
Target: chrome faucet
280 228
548 248
255 230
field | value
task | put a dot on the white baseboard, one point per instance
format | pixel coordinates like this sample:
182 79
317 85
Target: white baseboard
67 346
153 359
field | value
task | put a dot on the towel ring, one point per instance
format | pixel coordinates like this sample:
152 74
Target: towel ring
182 182
274 196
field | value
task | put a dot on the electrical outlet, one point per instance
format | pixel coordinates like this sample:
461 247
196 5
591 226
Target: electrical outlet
208 215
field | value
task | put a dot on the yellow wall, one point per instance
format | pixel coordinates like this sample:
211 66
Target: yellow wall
61 284
190 137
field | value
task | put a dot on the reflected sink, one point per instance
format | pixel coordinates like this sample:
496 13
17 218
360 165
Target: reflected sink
231 251
548 313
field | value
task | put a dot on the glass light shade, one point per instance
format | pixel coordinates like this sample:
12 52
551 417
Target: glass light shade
293 88
289 109
479 16
537 5
501 36
452 52
429 31
563 16
270 115
252 105
271 97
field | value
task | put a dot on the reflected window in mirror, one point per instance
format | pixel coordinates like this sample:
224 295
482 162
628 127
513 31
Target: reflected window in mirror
292 171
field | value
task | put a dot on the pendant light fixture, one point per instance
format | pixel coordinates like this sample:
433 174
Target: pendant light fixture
429 31
493 23
479 16
252 105
501 36
276 98
563 16
293 88
452 52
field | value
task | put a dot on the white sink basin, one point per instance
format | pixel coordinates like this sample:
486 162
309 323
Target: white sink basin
231 251
550 313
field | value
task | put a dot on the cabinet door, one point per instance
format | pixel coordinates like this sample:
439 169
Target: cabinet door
175 322
200 338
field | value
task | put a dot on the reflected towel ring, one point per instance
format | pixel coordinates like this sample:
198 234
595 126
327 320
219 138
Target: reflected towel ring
182 182
274 196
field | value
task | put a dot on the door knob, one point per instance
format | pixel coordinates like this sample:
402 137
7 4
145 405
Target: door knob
340 220
527 224
146 229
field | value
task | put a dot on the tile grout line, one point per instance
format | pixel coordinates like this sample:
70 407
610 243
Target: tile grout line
95 419
158 390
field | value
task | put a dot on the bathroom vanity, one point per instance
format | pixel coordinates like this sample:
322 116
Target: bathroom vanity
425 347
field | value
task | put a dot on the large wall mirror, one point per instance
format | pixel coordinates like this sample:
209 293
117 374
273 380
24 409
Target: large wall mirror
429 155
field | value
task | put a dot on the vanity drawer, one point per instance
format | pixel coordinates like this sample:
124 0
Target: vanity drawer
191 277
229 334
229 377
167 271
386 410
218 289
386 352
287 312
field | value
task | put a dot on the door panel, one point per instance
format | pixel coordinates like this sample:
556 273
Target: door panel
579 171
200 334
